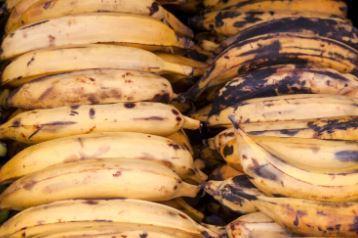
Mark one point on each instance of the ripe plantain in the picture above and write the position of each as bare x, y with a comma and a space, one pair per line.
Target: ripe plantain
284, 79
46, 124
97, 178
330, 27
273, 49
313, 155
275, 177
287, 108
72, 31
328, 7
94, 86
48, 62
255, 225
224, 193
112, 211
44, 10
122, 145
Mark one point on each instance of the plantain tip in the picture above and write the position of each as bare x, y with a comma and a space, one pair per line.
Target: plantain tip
235, 124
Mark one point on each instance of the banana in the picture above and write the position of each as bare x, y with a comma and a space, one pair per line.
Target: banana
48, 62
46, 124
10, 4
255, 225
123, 145
69, 31
44, 10
275, 177
94, 86
312, 154
285, 79
335, 28
305, 153
224, 193
240, 25
273, 49
99, 233
287, 108
308, 217
113, 211
97, 178
182, 139
301, 6
101, 229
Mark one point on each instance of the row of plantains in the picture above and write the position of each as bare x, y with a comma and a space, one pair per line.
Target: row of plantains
280, 97
99, 93
99, 149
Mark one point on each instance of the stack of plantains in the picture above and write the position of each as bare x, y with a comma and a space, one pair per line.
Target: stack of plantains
282, 90
89, 80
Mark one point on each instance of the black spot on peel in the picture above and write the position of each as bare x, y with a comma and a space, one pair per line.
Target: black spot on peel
129, 105
354, 226
222, 15
16, 123
153, 118
299, 215
153, 8
47, 4
228, 150
347, 156
164, 98
264, 172
92, 113
117, 173
243, 181
175, 112
143, 235
30, 61
29, 185
91, 202
289, 132
330, 126
174, 146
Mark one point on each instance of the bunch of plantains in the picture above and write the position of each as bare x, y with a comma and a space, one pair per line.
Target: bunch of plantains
97, 148
280, 98
178, 119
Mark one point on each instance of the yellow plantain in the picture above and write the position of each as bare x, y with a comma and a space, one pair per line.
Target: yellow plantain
287, 108
46, 124
110, 211
313, 155
72, 31
126, 145
275, 177
224, 193
97, 178
48, 62
44, 10
255, 225
274, 49
95, 86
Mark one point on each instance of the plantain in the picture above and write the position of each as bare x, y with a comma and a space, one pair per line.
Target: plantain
116, 212
274, 49
72, 31
123, 145
274, 176
224, 193
46, 124
256, 224
44, 10
292, 108
284, 79
335, 28
48, 62
94, 179
314, 155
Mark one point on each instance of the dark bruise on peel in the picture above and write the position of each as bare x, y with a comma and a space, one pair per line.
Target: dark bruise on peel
317, 26
330, 126
129, 105
222, 15
228, 150
143, 235
263, 172
299, 215
242, 181
152, 118
153, 8
347, 156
